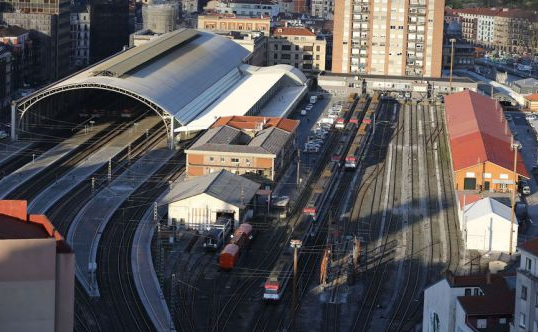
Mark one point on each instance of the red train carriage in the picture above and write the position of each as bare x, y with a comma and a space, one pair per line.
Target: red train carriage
240, 239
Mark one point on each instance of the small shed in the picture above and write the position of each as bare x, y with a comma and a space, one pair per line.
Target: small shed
487, 225
525, 86
200, 201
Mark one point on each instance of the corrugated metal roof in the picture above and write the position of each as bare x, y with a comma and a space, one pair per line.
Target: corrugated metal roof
230, 188
175, 78
136, 56
478, 132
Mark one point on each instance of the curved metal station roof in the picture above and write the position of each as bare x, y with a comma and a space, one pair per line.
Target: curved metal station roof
189, 74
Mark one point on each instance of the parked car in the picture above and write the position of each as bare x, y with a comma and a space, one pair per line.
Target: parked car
309, 107
3, 134
303, 112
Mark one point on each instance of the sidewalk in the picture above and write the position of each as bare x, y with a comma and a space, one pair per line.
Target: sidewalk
85, 231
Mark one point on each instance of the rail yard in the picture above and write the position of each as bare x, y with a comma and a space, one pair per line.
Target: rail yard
371, 214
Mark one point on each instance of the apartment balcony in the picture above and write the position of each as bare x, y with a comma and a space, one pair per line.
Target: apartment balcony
417, 4
413, 13
360, 20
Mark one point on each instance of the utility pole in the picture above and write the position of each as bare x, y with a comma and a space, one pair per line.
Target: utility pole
109, 170
295, 244
452, 41
515, 146
298, 167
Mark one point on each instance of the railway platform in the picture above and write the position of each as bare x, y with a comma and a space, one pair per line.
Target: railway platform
47, 159
48, 197
145, 277
85, 231
10, 150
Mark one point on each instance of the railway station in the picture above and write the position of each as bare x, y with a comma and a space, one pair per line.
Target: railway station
187, 77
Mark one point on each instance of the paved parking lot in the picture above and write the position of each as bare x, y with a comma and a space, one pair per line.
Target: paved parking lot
525, 134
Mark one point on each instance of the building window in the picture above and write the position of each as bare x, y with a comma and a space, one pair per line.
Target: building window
524, 293
296, 47
211, 159
221, 159
502, 320
522, 320
286, 47
318, 48
481, 323
528, 263
234, 160
476, 292
247, 161
468, 292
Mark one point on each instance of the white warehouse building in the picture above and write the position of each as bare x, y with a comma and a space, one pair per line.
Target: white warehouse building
200, 201
486, 225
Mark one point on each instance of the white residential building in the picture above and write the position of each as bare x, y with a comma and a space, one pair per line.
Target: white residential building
486, 226
526, 313
244, 8
469, 303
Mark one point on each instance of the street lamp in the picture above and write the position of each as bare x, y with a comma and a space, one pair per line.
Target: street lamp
452, 41
295, 244
515, 146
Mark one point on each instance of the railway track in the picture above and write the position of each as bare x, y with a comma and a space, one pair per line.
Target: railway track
117, 288
280, 242
31, 189
61, 214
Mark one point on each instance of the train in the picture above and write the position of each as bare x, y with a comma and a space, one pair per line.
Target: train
275, 285
231, 252
218, 233
320, 191
351, 160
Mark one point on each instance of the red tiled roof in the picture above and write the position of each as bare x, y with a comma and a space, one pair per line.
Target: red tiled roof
15, 223
502, 303
478, 132
300, 31
467, 198
533, 97
514, 13
252, 122
530, 246
480, 11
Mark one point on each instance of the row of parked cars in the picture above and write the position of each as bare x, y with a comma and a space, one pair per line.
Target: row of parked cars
320, 132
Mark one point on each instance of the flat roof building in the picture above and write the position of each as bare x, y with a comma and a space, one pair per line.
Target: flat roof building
244, 145
298, 47
480, 143
37, 279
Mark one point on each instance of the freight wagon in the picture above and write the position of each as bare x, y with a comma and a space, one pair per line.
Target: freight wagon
240, 239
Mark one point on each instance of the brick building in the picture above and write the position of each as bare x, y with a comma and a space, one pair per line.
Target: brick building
480, 143
244, 144
297, 46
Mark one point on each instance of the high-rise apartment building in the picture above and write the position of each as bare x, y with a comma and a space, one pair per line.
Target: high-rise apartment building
48, 22
80, 37
109, 29
388, 37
